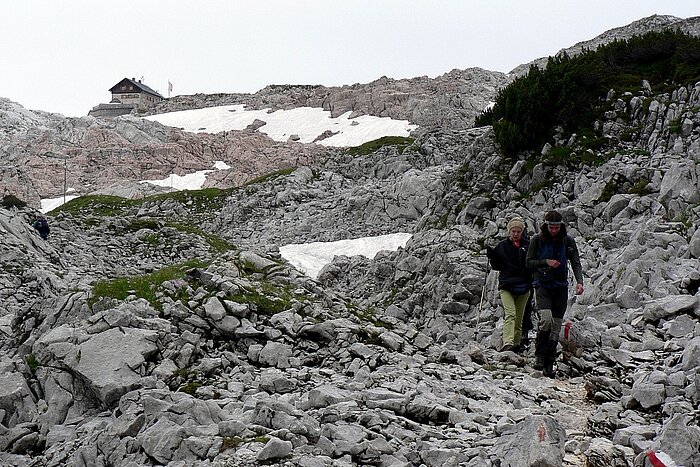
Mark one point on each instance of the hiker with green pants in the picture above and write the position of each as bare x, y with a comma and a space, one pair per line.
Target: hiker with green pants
514, 281
547, 255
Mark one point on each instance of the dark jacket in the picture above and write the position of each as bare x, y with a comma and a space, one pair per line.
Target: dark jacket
562, 248
42, 226
513, 276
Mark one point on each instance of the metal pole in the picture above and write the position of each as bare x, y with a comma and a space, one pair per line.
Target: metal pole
481, 302
65, 179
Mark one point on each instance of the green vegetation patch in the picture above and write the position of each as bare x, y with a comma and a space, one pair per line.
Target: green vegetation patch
619, 184
100, 205
269, 300
570, 91
264, 304
190, 388
270, 176
142, 223
401, 142
203, 200
558, 155
641, 187
197, 200
32, 362
11, 201
369, 314
676, 125
146, 286
217, 243
687, 218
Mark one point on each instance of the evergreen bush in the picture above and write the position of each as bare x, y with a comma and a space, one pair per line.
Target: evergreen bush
570, 92
11, 201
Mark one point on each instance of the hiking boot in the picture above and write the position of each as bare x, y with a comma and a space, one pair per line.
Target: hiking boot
538, 363
507, 348
548, 370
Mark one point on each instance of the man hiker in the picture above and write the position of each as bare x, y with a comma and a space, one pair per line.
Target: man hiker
42, 226
514, 281
547, 255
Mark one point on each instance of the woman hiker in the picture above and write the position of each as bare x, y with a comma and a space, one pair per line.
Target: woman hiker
514, 281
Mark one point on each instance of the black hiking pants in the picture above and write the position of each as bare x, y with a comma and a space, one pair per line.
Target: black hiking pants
551, 304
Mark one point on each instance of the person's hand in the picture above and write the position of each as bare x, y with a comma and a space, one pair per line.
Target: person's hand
553, 263
579, 288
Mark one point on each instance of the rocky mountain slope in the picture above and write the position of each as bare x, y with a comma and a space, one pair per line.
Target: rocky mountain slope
449, 101
35, 144
42, 151
169, 331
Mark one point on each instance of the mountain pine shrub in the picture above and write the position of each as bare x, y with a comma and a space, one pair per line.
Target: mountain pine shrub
401, 143
570, 92
11, 201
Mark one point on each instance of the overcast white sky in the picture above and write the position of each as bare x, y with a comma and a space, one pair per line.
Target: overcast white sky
63, 56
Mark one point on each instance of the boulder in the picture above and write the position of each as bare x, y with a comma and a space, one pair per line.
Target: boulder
535, 441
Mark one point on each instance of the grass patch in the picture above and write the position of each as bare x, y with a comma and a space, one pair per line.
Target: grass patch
217, 243
264, 304
231, 442
270, 299
611, 188
591, 158
190, 388
369, 337
196, 200
32, 362
184, 373
640, 187
401, 142
98, 205
595, 143
686, 218
91, 221
369, 315
270, 176
560, 155
139, 224
146, 286
152, 239
675, 126
207, 198
587, 153
629, 134
541, 185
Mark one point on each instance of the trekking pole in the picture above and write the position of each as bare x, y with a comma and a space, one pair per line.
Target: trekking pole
481, 302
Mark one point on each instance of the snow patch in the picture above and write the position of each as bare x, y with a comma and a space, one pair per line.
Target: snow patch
308, 123
310, 258
193, 181
49, 204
